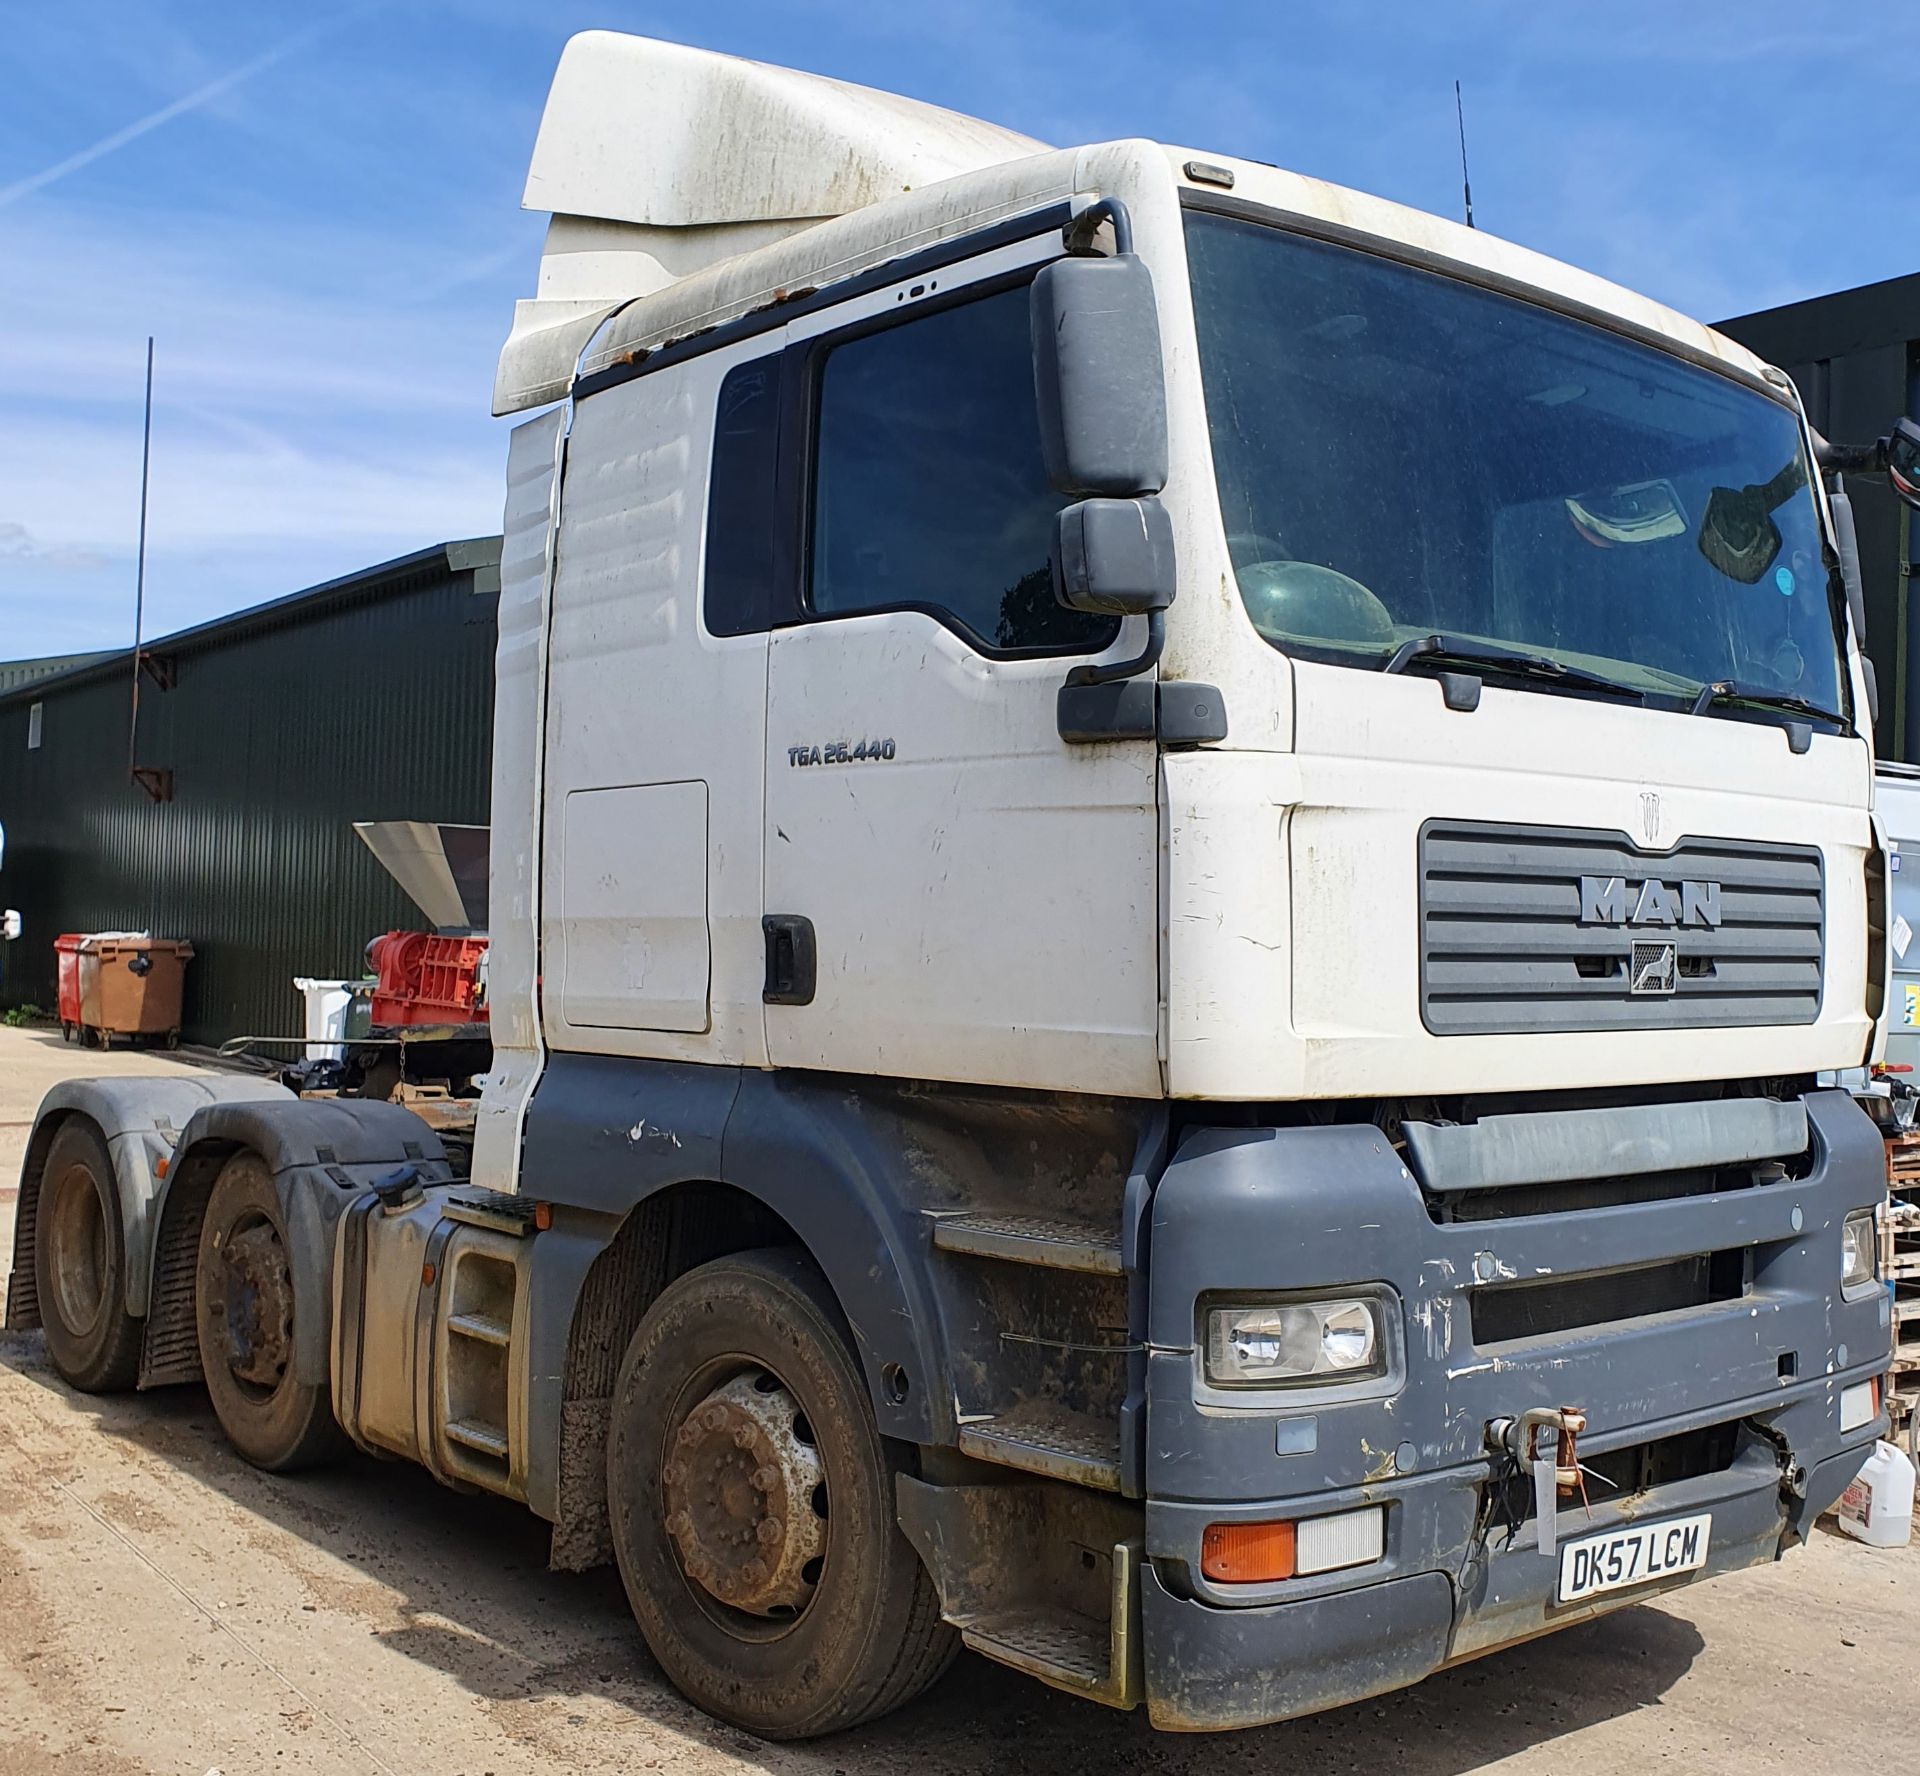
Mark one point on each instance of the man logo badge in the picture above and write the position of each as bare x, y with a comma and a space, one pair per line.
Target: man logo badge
1615, 900
1654, 969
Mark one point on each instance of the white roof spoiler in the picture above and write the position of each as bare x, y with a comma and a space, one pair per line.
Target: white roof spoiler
656, 161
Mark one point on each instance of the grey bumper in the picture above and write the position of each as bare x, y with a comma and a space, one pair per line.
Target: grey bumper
1272, 1210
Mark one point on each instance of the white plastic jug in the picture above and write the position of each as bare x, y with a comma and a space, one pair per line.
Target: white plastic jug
1878, 1507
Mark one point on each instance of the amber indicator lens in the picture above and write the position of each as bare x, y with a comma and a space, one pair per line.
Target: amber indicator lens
1247, 1553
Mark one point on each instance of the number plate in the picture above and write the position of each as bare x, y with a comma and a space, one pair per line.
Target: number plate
1633, 1556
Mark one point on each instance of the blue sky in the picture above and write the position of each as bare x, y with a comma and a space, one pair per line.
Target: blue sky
315, 209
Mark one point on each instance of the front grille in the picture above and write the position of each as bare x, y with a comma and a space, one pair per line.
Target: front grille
1570, 1196
1540, 1309
1510, 942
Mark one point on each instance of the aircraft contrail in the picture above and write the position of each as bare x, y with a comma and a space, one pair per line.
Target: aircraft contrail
167, 113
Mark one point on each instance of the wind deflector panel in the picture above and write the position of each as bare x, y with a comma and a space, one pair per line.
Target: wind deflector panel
1530, 929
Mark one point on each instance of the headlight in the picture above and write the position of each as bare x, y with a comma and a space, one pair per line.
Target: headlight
1857, 1251
1293, 1341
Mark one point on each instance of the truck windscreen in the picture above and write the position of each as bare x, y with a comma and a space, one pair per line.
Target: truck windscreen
1403, 455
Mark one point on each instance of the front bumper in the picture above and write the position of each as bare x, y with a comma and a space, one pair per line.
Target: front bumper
1253, 1210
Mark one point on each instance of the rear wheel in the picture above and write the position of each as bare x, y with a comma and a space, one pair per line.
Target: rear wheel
752, 1503
246, 1311
80, 1265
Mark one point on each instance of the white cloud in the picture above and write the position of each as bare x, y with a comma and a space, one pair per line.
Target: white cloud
310, 416
17, 544
153, 120
299, 321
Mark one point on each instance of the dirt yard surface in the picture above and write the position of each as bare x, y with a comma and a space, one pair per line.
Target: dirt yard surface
167, 1611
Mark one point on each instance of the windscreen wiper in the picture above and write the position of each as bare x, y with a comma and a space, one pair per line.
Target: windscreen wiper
1731, 690
1455, 650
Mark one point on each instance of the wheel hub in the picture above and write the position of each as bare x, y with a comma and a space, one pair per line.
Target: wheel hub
259, 1305
745, 1496
78, 1234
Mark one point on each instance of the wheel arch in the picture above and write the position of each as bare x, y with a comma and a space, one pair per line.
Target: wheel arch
606, 1272
322, 1153
140, 1119
833, 1165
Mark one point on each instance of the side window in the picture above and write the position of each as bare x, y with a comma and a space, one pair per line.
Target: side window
742, 513
928, 488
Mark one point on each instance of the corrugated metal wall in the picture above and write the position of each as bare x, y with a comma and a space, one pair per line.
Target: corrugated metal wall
368, 700
1855, 356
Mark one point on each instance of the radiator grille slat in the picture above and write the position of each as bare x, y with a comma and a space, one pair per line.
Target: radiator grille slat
1504, 949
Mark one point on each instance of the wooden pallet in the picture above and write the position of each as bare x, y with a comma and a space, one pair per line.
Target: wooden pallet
1900, 1266
1903, 1159
1900, 1239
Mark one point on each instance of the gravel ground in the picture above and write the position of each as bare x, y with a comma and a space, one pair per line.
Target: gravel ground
167, 1611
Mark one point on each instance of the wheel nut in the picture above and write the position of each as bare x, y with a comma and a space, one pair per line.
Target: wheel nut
766, 1479
772, 1532
714, 1417
678, 1525
674, 1473
743, 1436
754, 1572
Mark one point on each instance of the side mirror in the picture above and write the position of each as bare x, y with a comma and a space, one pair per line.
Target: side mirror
1098, 376
1847, 537
1101, 387
1902, 448
1114, 557
1898, 453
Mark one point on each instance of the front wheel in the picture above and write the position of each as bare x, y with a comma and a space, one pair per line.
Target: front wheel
751, 1497
246, 1306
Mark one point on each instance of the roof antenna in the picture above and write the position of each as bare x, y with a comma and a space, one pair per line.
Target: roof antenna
1466, 186
157, 784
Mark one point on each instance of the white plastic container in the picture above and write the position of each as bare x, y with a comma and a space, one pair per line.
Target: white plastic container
1878, 1507
327, 1003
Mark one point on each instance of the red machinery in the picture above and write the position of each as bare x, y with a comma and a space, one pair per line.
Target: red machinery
424, 979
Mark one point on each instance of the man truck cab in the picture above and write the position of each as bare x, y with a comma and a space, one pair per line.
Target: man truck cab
1174, 851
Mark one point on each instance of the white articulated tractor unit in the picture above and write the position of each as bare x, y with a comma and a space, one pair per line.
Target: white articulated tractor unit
1174, 855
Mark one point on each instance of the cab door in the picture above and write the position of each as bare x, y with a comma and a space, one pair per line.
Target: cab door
655, 724
980, 898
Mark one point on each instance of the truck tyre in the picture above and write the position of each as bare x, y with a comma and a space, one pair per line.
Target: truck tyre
245, 1307
751, 1497
80, 1265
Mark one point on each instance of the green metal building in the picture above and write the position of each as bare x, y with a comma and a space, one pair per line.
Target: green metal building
1855, 357
261, 738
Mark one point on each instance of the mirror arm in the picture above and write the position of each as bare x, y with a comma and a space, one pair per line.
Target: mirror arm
1897, 456
1850, 459
1077, 236
1144, 661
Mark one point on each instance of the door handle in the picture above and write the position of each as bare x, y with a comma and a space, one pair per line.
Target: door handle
791, 959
